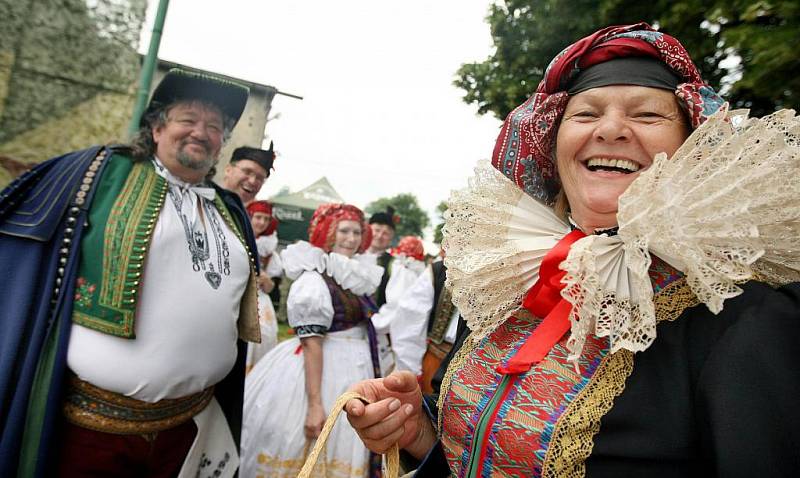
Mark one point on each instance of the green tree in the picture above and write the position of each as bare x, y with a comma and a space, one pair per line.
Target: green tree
761, 34
437, 230
413, 219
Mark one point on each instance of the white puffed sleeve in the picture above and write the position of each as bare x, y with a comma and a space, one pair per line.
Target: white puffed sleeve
404, 274
266, 245
409, 327
309, 307
275, 266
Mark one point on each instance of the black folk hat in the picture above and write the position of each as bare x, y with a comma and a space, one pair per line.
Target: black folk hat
182, 84
264, 157
387, 218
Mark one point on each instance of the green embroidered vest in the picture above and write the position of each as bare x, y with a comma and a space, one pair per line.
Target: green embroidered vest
122, 217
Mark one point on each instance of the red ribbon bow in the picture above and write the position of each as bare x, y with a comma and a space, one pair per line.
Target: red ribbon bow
544, 300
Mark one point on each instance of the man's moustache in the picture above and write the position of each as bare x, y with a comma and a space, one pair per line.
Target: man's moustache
204, 144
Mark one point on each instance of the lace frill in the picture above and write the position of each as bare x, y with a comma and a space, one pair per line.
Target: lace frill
356, 276
495, 238
725, 208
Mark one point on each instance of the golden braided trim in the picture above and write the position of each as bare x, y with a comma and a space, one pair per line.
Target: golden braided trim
277, 467
94, 408
457, 363
573, 436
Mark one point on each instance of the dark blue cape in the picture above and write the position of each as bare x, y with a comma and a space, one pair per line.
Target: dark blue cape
38, 218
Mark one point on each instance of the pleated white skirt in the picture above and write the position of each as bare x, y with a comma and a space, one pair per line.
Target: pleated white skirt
273, 442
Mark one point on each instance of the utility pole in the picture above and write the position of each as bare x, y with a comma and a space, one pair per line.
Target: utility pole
148, 66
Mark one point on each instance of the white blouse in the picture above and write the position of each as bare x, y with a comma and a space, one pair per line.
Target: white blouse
309, 301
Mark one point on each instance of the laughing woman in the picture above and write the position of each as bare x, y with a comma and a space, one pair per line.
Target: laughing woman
628, 274
291, 390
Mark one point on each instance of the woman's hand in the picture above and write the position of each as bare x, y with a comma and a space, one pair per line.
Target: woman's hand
394, 416
315, 419
265, 283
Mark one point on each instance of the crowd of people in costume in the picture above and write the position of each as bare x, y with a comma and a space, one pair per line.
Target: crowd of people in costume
617, 295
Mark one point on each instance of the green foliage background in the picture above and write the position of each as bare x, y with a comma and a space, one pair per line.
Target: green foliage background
527, 34
413, 219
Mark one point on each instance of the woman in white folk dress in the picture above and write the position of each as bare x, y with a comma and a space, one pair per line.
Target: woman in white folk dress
264, 226
291, 390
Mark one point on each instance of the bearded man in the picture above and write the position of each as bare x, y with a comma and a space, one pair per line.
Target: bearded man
121, 349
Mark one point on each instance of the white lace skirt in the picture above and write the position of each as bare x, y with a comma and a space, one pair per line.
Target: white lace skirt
273, 443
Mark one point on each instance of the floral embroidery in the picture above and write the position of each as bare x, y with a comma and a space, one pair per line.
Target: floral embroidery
84, 292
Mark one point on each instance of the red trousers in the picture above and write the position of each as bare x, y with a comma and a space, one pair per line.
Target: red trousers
87, 453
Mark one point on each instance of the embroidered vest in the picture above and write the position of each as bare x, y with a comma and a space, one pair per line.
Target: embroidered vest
347, 307
385, 261
541, 422
442, 309
114, 247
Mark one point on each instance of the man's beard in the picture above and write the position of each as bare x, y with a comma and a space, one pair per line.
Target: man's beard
204, 163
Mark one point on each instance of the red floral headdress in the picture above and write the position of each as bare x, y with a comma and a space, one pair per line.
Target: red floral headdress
266, 208
524, 149
322, 230
410, 246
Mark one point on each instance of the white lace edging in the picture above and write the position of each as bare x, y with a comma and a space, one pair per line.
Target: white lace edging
495, 238
726, 206
356, 276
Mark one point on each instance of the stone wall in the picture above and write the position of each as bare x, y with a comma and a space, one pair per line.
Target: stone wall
68, 69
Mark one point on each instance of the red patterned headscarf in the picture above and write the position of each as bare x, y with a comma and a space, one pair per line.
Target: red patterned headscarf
524, 149
410, 246
322, 230
266, 208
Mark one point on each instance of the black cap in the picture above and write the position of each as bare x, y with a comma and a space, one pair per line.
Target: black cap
388, 218
181, 84
264, 157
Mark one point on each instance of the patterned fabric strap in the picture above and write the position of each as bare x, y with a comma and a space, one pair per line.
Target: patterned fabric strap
442, 314
92, 407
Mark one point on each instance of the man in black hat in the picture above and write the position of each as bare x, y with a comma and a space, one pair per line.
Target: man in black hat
121, 335
383, 229
247, 171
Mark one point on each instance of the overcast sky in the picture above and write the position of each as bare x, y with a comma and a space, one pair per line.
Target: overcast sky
380, 115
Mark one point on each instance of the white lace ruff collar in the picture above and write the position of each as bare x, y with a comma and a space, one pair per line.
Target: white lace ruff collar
726, 206
357, 276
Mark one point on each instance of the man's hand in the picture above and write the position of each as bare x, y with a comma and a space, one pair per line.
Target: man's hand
394, 416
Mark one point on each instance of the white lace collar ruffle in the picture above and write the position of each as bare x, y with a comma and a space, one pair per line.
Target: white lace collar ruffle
359, 277
725, 207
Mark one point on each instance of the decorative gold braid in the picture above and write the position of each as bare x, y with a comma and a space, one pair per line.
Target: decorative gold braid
573, 436
392, 457
457, 362
96, 409
441, 316
277, 467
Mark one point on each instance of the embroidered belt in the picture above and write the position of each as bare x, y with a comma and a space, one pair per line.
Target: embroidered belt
92, 407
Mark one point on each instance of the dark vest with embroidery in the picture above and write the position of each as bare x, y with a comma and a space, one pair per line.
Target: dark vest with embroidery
347, 307
384, 260
442, 309
350, 310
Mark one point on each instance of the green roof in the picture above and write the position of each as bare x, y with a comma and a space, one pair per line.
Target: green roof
311, 197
